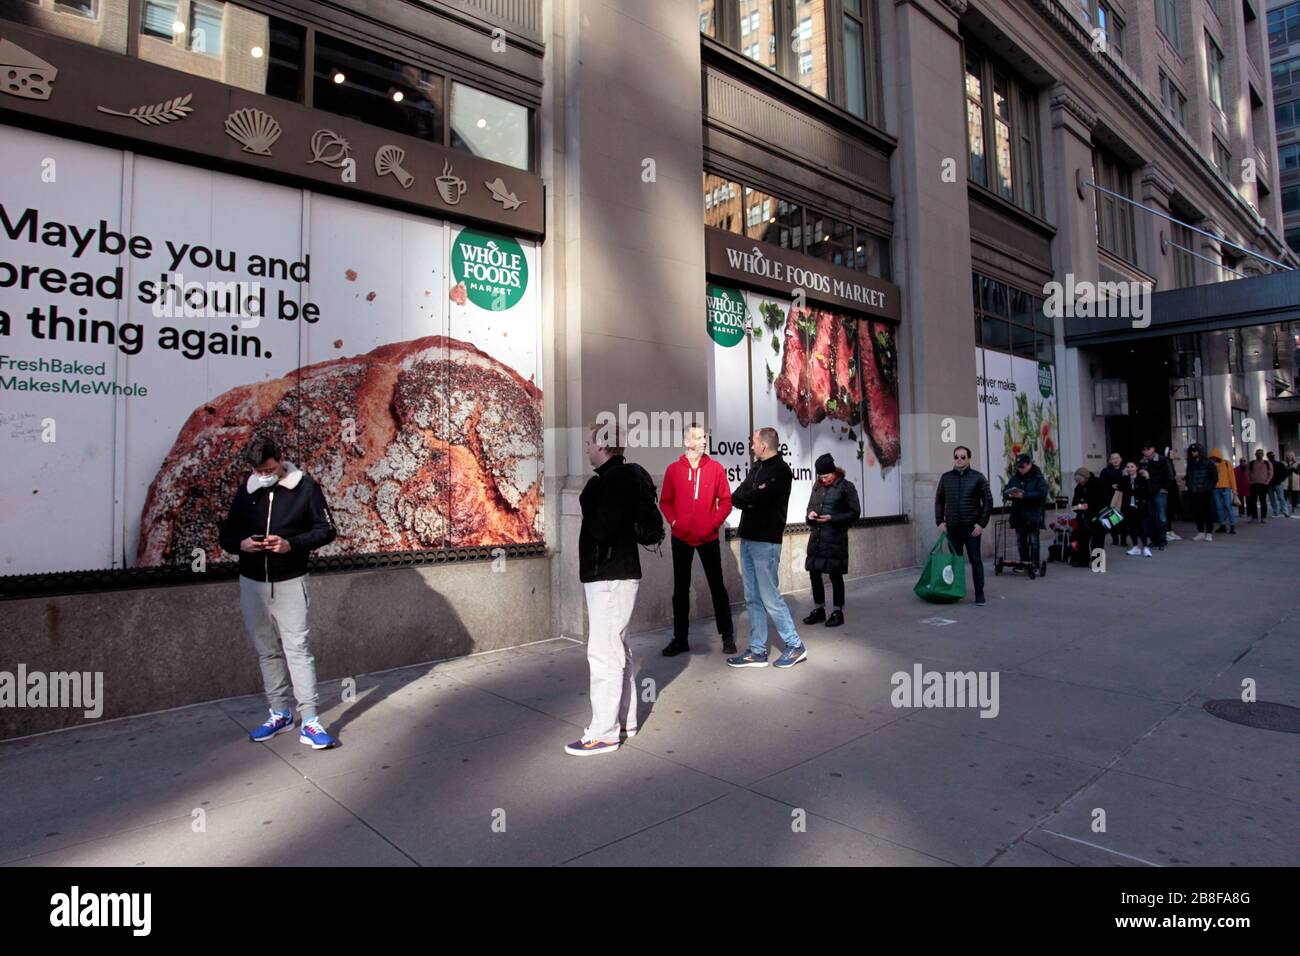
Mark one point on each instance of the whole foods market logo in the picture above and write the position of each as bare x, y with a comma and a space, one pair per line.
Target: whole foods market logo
492, 269
1045, 379
726, 315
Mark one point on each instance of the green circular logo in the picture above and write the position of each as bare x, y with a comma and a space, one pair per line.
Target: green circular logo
726, 315
1045, 379
492, 269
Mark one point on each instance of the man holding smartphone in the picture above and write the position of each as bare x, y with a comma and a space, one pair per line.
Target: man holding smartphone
279, 516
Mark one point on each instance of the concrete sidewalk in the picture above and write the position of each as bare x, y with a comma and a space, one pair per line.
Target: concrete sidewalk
1101, 680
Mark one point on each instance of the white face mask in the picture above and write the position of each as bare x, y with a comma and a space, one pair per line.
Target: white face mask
265, 481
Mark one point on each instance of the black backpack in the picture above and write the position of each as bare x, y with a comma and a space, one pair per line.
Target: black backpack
649, 523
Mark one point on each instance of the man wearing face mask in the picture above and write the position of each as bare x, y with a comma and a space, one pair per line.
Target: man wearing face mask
279, 516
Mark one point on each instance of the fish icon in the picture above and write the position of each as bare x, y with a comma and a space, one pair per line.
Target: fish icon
504, 196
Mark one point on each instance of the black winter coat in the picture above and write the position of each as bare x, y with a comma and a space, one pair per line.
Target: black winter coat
828, 541
607, 546
963, 499
1027, 512
1201, 475
294, 510
762, 499
1137, 493
1095, 493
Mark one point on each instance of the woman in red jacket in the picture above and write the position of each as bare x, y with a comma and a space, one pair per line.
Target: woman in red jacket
696, 500
1242, 473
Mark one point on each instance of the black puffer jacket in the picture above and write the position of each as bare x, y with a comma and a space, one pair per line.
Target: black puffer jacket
762, 499
607, 547
828, 542
293, 509
1201, 473
963, 499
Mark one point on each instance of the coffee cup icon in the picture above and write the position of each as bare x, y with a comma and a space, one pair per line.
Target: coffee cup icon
450, 187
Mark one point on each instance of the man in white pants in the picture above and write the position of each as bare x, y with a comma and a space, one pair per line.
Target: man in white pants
609, 566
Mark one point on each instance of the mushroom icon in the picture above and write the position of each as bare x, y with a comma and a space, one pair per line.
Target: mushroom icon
388, 161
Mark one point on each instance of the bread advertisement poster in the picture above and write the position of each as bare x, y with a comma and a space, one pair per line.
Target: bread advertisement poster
155, 317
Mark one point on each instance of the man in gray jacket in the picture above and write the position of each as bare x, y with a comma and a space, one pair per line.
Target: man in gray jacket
963, 505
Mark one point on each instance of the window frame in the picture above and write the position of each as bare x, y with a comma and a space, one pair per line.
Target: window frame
1169, 22
1116, 232
1214, 72
1023, 126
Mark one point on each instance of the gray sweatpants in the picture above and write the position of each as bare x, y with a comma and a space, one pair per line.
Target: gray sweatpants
276, 618
613, 678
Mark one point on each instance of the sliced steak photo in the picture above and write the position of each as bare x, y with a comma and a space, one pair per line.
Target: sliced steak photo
880, 379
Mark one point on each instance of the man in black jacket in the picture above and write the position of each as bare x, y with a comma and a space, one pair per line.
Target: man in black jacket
609, 567
279, 516
1112, 476
1160, 472
963, 505
762, 498
1201, 478
1027, 491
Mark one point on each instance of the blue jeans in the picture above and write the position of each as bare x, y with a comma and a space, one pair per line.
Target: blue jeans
760, 563
1160, 524
1227, 513
1277, 501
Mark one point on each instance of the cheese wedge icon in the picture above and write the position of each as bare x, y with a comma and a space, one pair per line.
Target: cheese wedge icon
25, 74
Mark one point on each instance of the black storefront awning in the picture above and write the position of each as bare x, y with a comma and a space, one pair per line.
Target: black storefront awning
1258, 300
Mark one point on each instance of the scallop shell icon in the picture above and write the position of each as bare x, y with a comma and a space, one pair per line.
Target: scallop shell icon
254, 130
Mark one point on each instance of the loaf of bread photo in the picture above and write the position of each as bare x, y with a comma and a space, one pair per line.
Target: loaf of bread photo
417, 445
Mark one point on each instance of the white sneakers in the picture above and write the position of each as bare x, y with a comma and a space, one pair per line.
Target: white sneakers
1146, 552
1135, 551
1173, 537
1200, 536
1209, 536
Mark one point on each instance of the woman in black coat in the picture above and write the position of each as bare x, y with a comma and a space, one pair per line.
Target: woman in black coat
832, 508
1090, 497
1136, 506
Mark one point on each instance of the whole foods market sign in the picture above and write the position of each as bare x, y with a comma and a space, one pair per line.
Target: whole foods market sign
492, 269
726, 315
760, 265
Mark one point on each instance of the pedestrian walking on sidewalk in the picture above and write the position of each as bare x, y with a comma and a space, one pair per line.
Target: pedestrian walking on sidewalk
1136, 509
1261, 473
1111, 476
1200, 479
832, 508
1225, 490
696, 500
1292, 484
1276, 497
1027, 491
963, 505
763, 498
277, 518
1160, 472
609, 567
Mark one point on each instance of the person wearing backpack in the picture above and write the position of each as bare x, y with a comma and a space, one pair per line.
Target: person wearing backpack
609, 567
762, 498
696, 501
832, 508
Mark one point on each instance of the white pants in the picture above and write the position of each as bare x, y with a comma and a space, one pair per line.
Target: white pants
613, 683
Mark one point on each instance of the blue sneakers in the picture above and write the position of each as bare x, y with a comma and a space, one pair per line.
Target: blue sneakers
278, 724
748, 659
313, 734
792, 656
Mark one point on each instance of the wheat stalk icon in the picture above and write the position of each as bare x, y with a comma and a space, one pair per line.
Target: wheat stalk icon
156, 114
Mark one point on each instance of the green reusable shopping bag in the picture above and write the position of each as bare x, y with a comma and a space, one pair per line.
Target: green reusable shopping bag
943, 579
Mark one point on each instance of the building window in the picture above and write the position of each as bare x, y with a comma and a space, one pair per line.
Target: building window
1167, 21
1288, 157
855, 59
1104, 24
1012, 320
1174, 101
831, 240
1214, 67
1222, 156
1009, 122
832, 62
205, 26
1284, 25
708, 18
1286, 72
722, 203
1285, 116
1291, 199
488, 126
158, 19
81, 8
365, 85
1114, 216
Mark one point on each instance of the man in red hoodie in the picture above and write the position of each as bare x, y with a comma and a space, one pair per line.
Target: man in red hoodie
695, 500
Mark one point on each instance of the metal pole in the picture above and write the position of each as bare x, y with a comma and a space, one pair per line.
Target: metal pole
1209, 235
1191, 252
